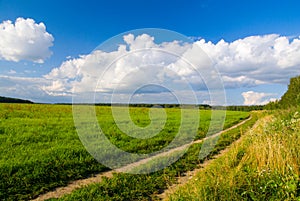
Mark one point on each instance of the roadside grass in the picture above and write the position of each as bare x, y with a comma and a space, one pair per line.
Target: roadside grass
263, 165
124, 186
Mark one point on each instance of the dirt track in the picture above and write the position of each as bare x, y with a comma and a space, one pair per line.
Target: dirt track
60, 191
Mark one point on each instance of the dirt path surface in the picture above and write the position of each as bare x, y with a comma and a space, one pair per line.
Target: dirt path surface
97, 178
190, 174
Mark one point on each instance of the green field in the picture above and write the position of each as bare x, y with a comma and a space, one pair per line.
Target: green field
41, 150
124, 186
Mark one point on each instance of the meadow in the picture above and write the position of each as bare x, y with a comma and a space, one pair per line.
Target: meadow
124, 186
40, 148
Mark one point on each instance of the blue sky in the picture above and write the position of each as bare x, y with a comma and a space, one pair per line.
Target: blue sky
79, 27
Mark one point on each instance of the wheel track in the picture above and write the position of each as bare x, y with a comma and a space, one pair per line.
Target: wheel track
97, 178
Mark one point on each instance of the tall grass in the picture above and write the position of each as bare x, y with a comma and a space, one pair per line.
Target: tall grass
263, 165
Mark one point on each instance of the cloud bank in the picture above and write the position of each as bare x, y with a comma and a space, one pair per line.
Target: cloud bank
256, 98
247, 62
244, 63
137, 62
255, 60
24, 40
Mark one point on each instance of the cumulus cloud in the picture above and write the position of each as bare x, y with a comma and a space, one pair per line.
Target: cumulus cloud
257, 98
140, 61
246, 62
258, 59
24, 40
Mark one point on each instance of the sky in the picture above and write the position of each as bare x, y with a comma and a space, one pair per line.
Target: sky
53, 51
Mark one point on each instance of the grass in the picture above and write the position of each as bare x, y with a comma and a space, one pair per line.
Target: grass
123, 186
264, 165
40, 149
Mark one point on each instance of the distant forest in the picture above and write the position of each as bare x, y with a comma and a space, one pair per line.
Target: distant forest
290, 99
13, 100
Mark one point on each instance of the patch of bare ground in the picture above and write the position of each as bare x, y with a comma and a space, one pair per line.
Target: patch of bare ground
59, 192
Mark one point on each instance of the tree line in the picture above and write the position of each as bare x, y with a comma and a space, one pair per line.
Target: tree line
13, 100
291, 98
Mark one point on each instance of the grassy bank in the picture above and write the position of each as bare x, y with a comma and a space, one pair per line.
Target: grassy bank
264, 165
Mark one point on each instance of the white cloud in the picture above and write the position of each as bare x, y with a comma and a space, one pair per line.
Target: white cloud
257, 98
11, 71
247, 62
28, 88
263, 59
122, 70
240, 81
138, 62
24, 40
21, 87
